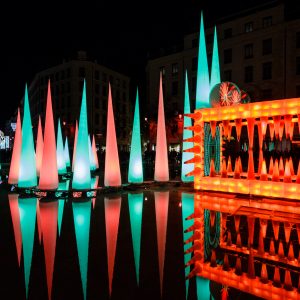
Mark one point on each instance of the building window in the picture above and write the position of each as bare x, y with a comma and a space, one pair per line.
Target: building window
104, 90
104, 77
81, 72
227, 75
194, 84
97, 119
249, 27
174, 69
194, 63
267, 21
174, 91
267, 71
97, 75
227, 56
298, 91
162, 71
267, 47
266, 94
249, 74
97, 88
227, 33
298, 65
298, 39
249, 51
195, 43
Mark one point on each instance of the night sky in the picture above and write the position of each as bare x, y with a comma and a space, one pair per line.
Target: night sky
119, 35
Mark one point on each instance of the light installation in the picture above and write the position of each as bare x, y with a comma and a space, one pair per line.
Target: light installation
135, 203
94, 182
280, 184
187, 205
82, 220
94, 150
39, 222
215, 77
75, 144
48, 173
15, 217
203, 290
135, 169
16, 153
48, 212
187, 135
60, 152
203, 86
112, 208
61, 206
67, 153
27, 171
161, 170
161, 214
82, 174
112, 173
91, 156
27, 210
39, 147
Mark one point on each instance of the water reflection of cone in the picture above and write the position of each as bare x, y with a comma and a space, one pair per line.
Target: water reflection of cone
263, 174
238, 267
224, 169
237, 219
287, 231
229, 241
281, 167
251, 270
238, 241
291, 255
275, 174
212, 172
229, 166
272, 248
276, 278
264, 274
291, 166
213, 260
213, 128
250, 230
263, 226
287, 281
237, 174
261, 246
271, 166
275, 225
226, 266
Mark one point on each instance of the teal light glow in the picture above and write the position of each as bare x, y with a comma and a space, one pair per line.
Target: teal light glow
135, 170
27, 171
187, 201
203, 291
67, 153
61, 205
215, 77
63, 185
135, 203
60, 152
203, 87
91, 156
27, 209
82, 174
187, 168
82, 218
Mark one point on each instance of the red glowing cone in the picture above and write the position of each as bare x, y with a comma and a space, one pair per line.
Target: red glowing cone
238, 267
212, 172
48, 211
291, 255
287, 124
48, 172
224, 170
229, 241
275, 175
112, 174
281, 128
291, 166
264, 124
287, 281
250, 171
281, 167
94, 150
272, 248
264, 274
213, 125
276, 278
212, 216
263, 226
226, 266
276, 125
39, 222
229, 167
250, 127
39, 147
260, 161
161, 171
15, 217
291, 131
226, 127
238, 127
287, 231
280, 250
237, 174
250, 230
237, 219
272, 131
275, 225
75, 144
16, 154
261, 245
298, 173
213, 259
263, 174
251, 269
271, 166
239, 241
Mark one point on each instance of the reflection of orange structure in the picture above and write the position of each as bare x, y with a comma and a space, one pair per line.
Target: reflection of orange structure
279, 116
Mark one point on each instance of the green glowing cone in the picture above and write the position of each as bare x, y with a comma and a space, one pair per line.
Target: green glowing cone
60, 152
135, 203
82, 218
215, 65
27, 171
27, 209
135, 170
187, 168
203, 87
203, 291
67, 153
61, 205
91, 156
82, 174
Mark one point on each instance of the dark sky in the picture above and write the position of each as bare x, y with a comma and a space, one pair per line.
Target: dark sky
117, 34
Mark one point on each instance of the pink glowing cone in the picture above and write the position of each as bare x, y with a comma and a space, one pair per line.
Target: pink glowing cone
287, 124
281, 167
287, 230
16, 154
264, 274
161, 213
280, 250
161, 172
275, 225
264, 124
276, 125
39, 147
48, 211
112, 217
275, 175
238, 124
250, 127
94, 150
250, 171
75, 144
15, 217
272, 131
112, 174
271, 166
48, 172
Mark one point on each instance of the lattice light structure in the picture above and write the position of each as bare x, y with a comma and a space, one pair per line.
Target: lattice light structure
279, 117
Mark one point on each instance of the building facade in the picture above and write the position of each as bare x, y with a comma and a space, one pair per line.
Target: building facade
66, 89
259, 50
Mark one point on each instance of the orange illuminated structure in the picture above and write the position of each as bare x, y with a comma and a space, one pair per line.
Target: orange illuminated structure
280, 115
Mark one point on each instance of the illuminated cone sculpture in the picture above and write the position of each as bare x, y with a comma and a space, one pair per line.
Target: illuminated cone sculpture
48, 173
112, 174
135, 169
60, 152
16, 154
91, 156
39, 147
67, 153
94, 150
161, 171
75, 145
